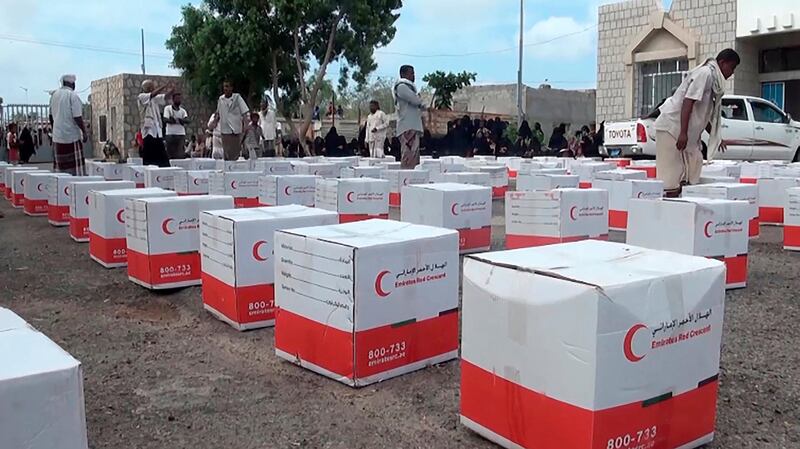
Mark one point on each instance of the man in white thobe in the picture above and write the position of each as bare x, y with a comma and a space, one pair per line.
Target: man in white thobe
377, 125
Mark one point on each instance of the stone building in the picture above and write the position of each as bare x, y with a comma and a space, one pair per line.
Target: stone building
116, 115
545, 105
644, 51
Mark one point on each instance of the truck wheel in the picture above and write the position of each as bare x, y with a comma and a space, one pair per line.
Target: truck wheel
796, 156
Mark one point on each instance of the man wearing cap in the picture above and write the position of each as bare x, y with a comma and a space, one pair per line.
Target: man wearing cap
69, 132
151, 101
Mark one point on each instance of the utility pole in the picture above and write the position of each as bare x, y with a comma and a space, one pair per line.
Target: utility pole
520, 112
143, 70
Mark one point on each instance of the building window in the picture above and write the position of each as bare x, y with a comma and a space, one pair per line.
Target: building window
734, 109
103, 128
658, 80
779, 60
766, 113
773, 92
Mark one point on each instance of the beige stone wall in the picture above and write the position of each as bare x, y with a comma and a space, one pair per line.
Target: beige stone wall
618, 24
120, 93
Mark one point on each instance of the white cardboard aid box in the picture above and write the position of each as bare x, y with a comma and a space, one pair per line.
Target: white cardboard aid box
18, 178
192, 182
498, 179
707, 179
465, 208
546, 181
722, 170
730, 191
625, 354
704, 227
185, 164
203, 163
326, 170
354, 199
240, 165
107, 244
362, 172
401, 178
241, 185
620, 174
237, 256
465, 177
35, 192
556, 216
135, 161
390, 165
587, 171
620, 192
58, 197
772, 197
113, 171
41, 387
282, 190
273, 166
135, 173
363, 302
163, 177
163, 238
791, 226
751, 172
79, 204
5, 177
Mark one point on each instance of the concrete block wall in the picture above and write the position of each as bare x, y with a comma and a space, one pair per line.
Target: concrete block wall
618, 25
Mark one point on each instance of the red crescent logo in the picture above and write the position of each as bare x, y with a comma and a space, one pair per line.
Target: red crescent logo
195, 181
39, 187
66, 190
453, 209
378, 281
256, 255
405, 181
572, 213
158, 178
705, 229
119, 216
316, 172
350, 197
22, 182
287, 190
165, 226
86, 199
233, 184
628, 343
639, 195
271, 169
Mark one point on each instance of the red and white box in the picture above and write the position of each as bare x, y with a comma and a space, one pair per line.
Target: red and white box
364, 302
556, 216
529, 182
717, 229
498, 179
462, 207
620, 162
113, 172
42, 390
134, 161
620, 174
107, 244
620, 193
269, 166
241, 185
587, 171
430, 165
751, 172
203, 163
354, 199
362, 172
35, 193
163, 238
466, 177
95, 168
283, 190
192, 182
718, 180
18, 178
786, 171
236, 250
529, 165
327, 170
390, 165
722, 170
513, 165
162, 177
240, 165
8, 182
607, 357
3, 167
730, 191
791, 226
772, 198
58, 197
400, 178
649, 167
185, 164
79, 203
135, 173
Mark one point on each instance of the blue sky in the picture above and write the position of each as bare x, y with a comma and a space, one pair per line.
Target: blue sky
425, 28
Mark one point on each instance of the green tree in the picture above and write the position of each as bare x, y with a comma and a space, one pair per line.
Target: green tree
444, 85
271, 44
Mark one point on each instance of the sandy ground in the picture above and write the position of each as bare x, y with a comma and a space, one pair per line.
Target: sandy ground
161, 373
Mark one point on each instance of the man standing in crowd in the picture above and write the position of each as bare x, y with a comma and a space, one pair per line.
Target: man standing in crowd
151, 100
269, 127
695, 106
176, 118
377, 124
69, 132
409, 117
232, 111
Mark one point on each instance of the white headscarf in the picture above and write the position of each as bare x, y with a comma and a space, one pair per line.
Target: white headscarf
69, 78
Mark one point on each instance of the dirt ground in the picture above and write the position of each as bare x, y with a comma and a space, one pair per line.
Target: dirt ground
159, 372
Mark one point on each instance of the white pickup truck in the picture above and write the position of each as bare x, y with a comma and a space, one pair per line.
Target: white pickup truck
752, 129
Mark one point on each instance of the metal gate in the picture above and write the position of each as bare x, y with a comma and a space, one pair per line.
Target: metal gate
37, 118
